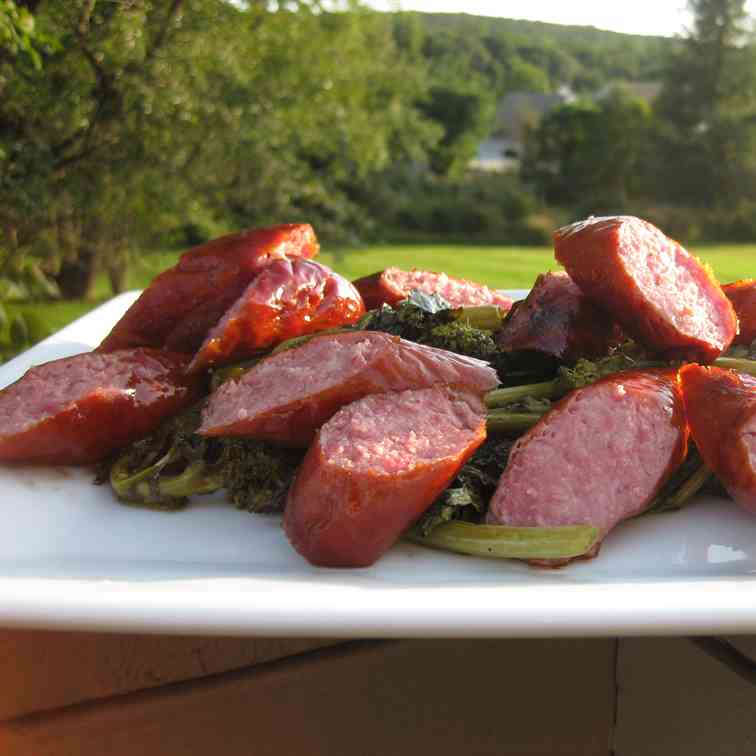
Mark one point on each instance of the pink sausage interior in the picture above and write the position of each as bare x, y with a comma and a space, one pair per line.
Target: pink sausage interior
670, 279
596, 459
391, 434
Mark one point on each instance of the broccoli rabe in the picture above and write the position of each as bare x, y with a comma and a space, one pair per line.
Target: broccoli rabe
468, 494
163, 470
429, 319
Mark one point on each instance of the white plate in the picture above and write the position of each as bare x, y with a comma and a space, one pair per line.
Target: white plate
73, 557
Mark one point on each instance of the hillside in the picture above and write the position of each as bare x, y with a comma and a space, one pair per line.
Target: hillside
584, 58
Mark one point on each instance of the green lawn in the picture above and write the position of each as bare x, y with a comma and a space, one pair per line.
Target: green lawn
501, 267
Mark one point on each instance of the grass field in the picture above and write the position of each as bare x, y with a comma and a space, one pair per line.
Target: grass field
500, 267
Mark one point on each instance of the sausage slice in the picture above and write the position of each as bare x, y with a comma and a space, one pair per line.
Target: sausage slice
598, 457
288, 298
180, 306
558, 320
393, 285
374, 468
289, 395
80, 409
742, 294
658, 292
721, 407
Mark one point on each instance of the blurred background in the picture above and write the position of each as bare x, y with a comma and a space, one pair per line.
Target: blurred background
133, 129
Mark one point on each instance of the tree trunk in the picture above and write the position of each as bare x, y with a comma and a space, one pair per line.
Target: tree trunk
76, 278
117, 275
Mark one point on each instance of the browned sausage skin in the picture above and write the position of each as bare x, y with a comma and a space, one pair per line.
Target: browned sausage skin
721, 409
658, 292
289, 395
558, 320
598, 457
80, 409
742, 294
393, 285
374, 468
180, 306
288, 298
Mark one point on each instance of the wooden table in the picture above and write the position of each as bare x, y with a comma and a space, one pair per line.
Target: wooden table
85, 694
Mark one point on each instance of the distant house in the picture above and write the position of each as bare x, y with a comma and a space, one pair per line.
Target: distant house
643, 90
516, 114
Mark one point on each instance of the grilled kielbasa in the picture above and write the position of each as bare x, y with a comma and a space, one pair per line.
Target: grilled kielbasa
742, 294
288, 298
658, 292
393, 285
374, 468
598, 457
558, 320
183, 303
721, 409
80, 409
289, 395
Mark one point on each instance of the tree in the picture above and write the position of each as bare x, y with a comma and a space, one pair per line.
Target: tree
591, 154
157, 114
707, 109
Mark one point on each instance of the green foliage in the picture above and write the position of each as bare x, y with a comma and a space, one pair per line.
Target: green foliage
533, 56
592, 154
479, 206
707, 110
19, 331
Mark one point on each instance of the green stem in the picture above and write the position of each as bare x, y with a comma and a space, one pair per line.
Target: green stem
503, 396
686, 491
150, 488
733, 363
484, 317
502, 421
502, 542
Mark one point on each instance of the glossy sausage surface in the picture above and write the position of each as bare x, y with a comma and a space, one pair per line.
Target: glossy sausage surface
80, 409
392, 285
721, 408
288, 396
659, 293
558, 320
374, 468
742, 294
183, 303
288, 298
598, 457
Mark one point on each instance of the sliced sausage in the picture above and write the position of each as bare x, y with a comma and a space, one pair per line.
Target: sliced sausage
288, 396
558, 320
183, 303
660, 294
288, 298
598, 457
721, 408
80, 409
393, 285
742, 294
374, 468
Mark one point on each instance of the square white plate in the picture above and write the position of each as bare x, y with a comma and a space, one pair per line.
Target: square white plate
71, 557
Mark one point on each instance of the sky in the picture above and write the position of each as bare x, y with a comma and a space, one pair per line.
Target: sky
663, 17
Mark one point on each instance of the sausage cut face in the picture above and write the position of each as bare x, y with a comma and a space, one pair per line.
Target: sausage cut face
393, 285
658, 292
289, 395
374, 468
598, 457
80, 409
